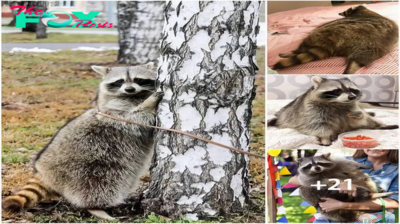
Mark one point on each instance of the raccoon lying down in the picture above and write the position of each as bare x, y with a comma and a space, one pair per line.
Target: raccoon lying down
362, 37
327, 109
322, 168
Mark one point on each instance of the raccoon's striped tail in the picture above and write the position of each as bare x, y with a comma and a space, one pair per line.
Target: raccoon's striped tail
30, 194
301, 57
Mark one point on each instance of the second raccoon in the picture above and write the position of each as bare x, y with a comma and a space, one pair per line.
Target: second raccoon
363, 36
325, 110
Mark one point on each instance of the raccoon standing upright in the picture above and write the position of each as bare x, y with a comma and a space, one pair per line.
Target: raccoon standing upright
362, 37
323, 111
95, 162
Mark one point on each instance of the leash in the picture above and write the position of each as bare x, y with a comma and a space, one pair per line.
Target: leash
183, 133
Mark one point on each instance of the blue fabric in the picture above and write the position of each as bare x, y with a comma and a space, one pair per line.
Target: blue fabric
387, 178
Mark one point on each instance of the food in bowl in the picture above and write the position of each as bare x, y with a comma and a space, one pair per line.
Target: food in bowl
359, 142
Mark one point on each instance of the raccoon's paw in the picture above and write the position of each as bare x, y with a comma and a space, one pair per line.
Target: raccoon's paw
325, 141
150, 103
372, 114
356, 115
158, 95
285, 55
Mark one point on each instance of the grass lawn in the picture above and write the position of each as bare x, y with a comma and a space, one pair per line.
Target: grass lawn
294, 212
25, 37
41, 91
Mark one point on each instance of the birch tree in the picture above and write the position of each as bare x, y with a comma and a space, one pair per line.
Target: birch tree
139, 27
207, 72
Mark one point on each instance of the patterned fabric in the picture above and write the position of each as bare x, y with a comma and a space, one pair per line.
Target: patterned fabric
375, 217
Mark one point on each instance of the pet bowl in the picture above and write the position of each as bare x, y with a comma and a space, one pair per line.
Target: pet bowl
360, 139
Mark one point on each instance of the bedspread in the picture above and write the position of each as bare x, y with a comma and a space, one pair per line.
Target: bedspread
296, 25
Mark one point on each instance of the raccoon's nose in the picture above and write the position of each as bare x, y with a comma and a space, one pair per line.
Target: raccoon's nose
130, 89
352, 97
317, 168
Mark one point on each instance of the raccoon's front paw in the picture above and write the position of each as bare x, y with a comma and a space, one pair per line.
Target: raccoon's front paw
151, 102
356, 115
158, 95
325, 141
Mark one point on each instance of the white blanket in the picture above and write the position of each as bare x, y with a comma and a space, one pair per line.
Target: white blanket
291, 139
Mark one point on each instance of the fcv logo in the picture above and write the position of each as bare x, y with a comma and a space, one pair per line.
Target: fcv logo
47, 17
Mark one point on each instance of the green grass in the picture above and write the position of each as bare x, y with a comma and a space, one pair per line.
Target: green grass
294, 212
25, 37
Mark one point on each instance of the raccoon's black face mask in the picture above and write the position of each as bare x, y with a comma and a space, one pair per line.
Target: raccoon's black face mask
316, 167
341, 95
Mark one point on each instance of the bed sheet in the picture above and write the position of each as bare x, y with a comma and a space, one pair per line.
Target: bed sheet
295, 26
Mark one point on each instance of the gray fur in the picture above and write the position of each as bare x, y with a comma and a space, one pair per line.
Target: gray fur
337, 169
326, 118
94, 161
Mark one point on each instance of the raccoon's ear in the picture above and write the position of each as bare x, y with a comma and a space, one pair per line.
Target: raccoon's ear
326, 155
101, 70
316, 81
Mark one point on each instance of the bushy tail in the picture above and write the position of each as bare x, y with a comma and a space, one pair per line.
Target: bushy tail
302, 56
30, 194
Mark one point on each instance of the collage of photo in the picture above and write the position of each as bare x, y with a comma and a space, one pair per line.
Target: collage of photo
200, 111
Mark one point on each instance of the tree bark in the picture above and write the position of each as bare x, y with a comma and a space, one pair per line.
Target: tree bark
207, 72
139, 27
40, 27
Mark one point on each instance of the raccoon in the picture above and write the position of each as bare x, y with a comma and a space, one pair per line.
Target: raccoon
94, 162
322, 168
362, 37
325, 110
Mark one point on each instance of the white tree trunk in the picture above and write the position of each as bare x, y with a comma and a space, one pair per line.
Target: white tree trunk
207, 70
140, 26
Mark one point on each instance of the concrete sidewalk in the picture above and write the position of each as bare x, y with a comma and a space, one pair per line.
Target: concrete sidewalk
56, 46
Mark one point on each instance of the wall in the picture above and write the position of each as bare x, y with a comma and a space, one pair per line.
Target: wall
379, 88
279, 6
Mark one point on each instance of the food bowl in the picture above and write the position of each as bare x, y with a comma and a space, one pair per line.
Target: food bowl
360, 139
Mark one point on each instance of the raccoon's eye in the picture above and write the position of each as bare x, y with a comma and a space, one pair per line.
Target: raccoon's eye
117, 83
144, 82
333, 93
355, 91
325, 164
307, 167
